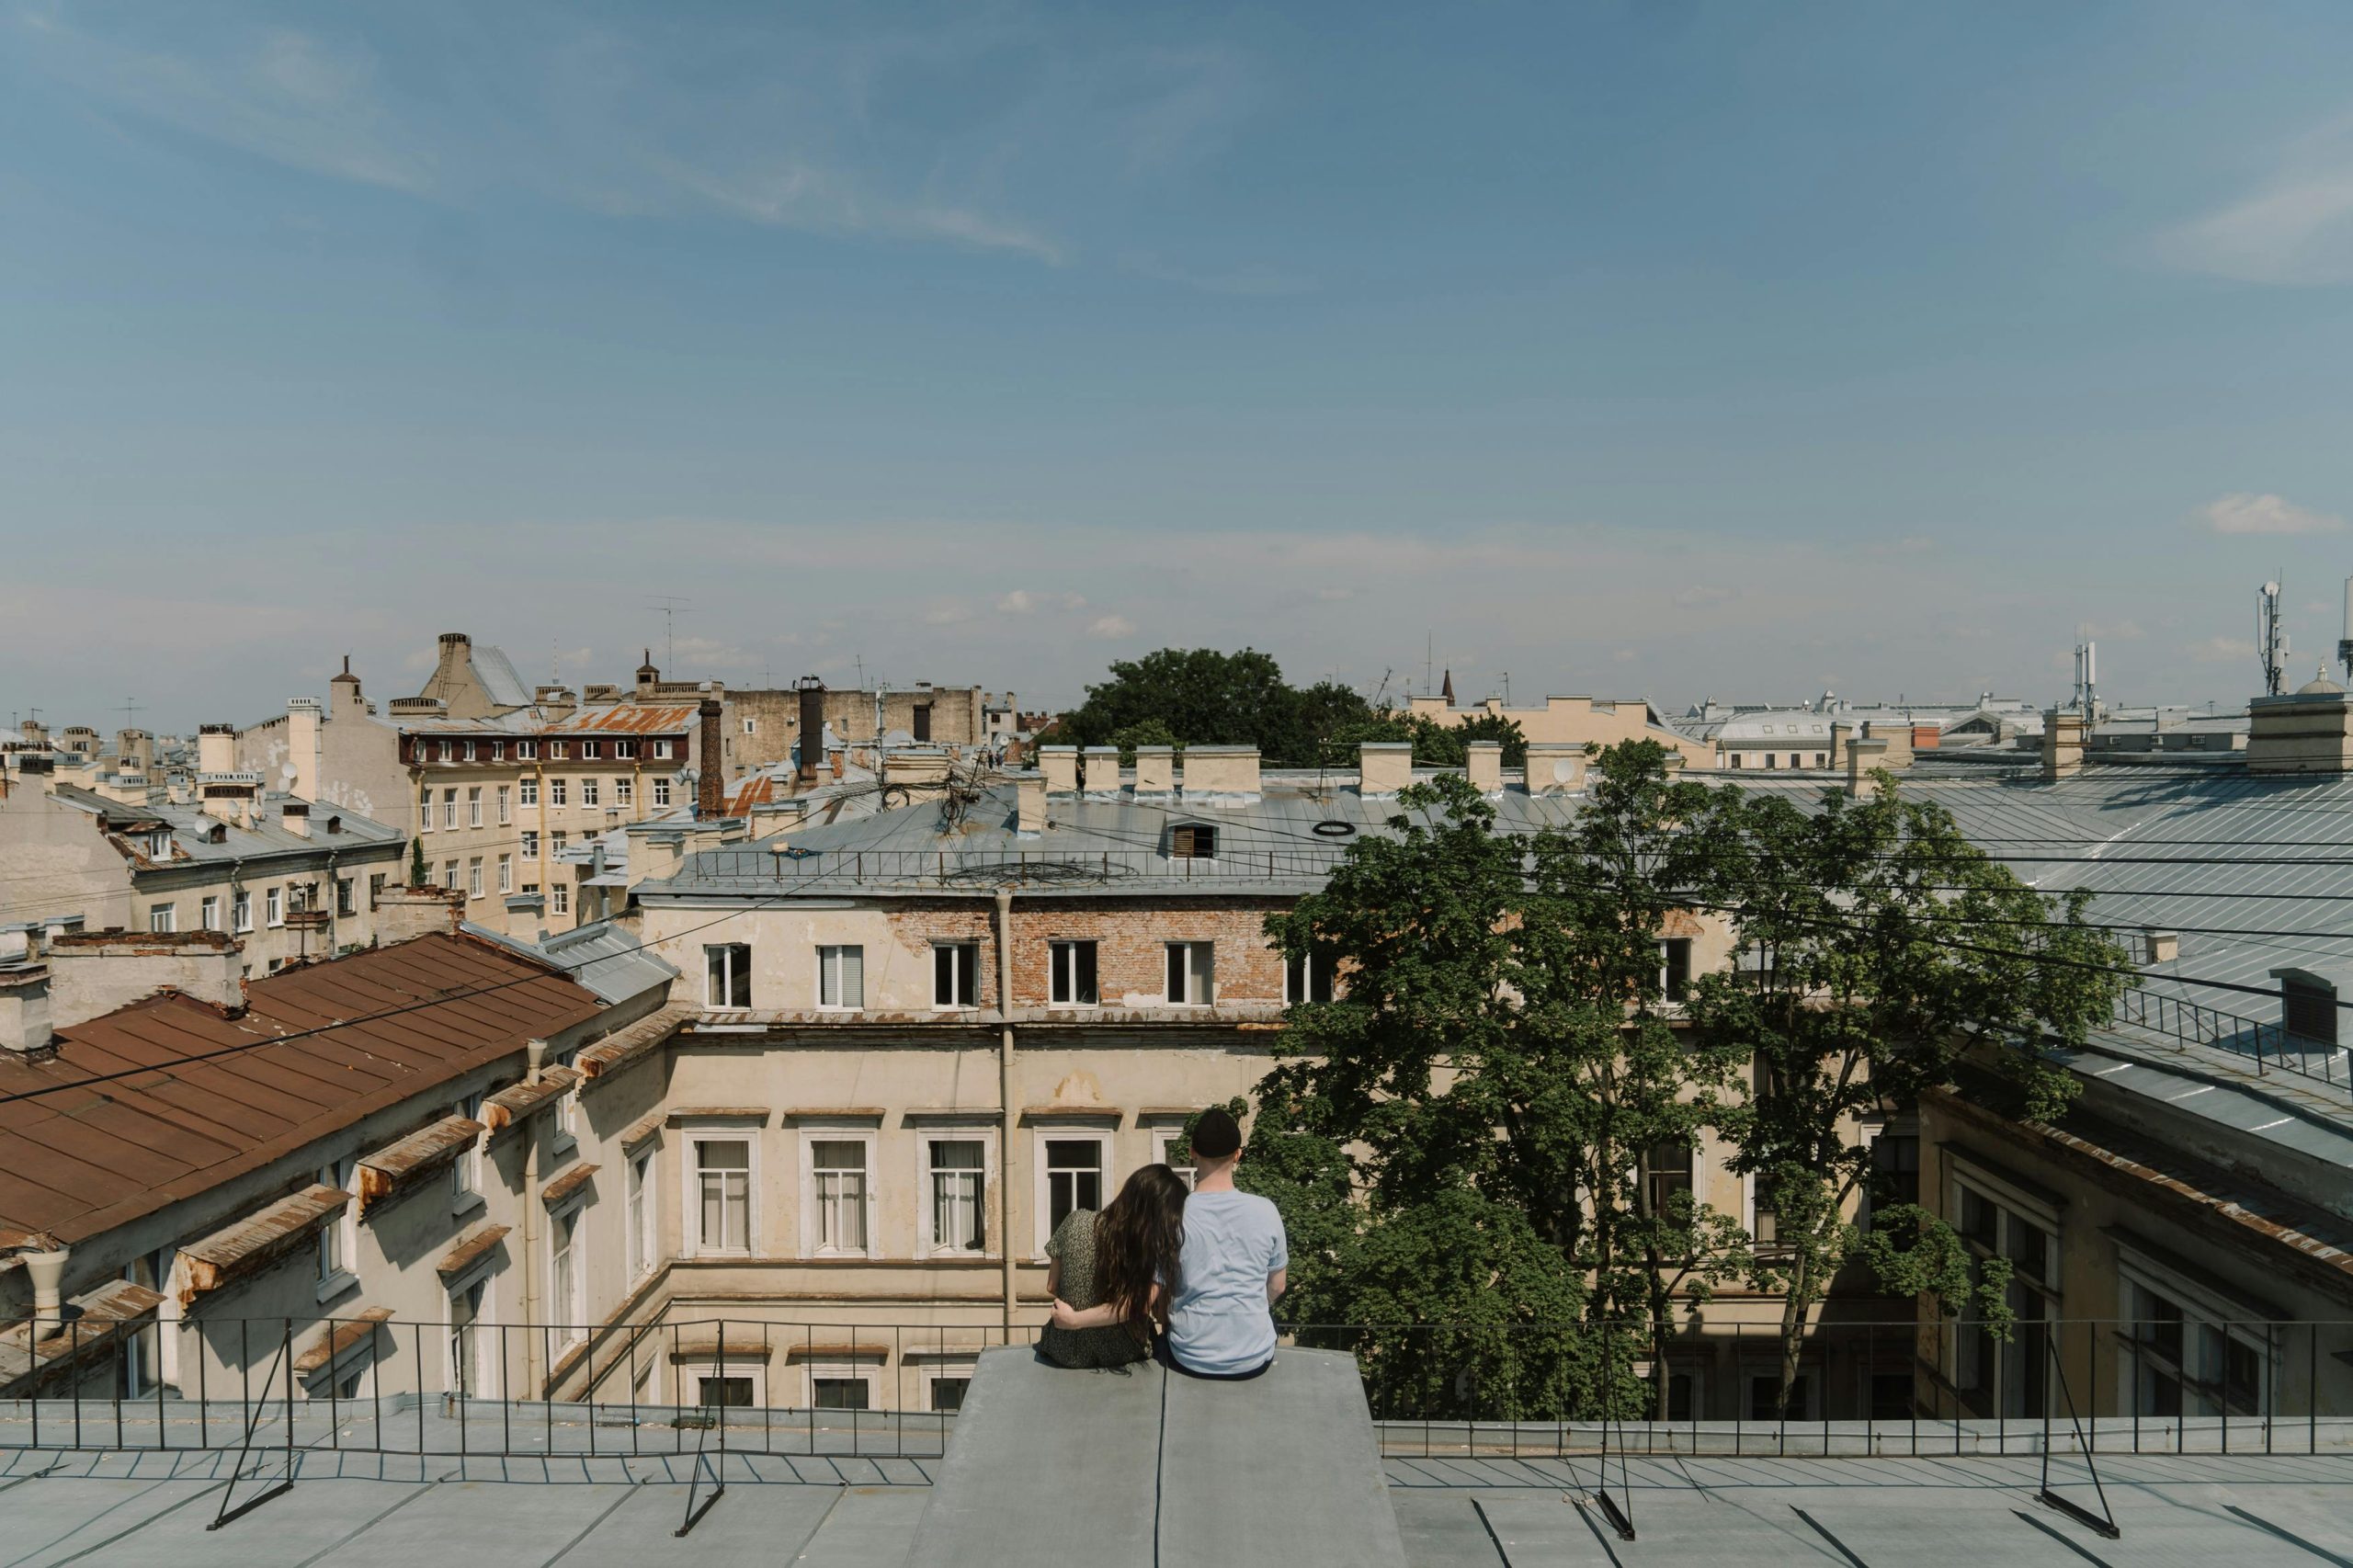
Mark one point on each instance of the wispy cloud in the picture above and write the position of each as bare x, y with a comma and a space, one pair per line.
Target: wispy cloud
957, 133
1024, 601
2221, 650
2245, 513
2295, 227
1111, 626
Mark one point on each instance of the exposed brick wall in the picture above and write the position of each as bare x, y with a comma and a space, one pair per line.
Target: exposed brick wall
1131, 934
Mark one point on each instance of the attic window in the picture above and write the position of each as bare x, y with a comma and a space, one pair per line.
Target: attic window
1192, 841
217, 834
334, 825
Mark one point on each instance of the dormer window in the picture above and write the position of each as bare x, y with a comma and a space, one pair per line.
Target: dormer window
217, 834
1192, 841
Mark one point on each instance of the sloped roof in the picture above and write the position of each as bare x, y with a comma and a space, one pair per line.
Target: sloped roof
499, 681
78, 1159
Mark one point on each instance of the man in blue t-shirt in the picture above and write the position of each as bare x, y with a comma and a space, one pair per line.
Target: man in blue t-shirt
1232, 1267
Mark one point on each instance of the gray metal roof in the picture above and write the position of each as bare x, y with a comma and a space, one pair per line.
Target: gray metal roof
499, 681
191, 828
608, 960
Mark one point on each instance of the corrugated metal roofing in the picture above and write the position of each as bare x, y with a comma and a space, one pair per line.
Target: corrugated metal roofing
192, 830
81, 1159
499, 681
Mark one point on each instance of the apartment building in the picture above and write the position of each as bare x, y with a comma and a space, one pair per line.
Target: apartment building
385, 1156
495, 783
763, 727
1571, 720
285, 878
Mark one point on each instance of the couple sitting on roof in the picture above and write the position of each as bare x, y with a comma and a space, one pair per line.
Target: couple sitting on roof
1190, 1280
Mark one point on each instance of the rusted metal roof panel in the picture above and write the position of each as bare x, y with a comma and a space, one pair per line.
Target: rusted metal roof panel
397, 1166
339, 1339
259, 1240
476, 1246
642, 1131
104, 1310
515, 1102
209, 1095
557, 1191
616, 1052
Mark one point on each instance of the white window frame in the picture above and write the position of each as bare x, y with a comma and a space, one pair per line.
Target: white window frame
473, 877
861, 1371
571, 1318
530, 844
425, 812
1061, 989
209, 912
725, 1002
624, 751
471, 1377
624, 791
505, 803
506, 873
927, 1243
559, 898
955, 1369
1163, 1142
448, 810
163, 918
2203, 1308
1308, 964
661, 792
558, 750
960, 1003
346, 898
691, 1372
1189, 1000
1041, 1185
526, 793
691, 1190
590, 792
526, 751
862, 1132
640, 1218
662, 748
473, 801
829, 957
273, 903
339, 1237
558, 792
465, 1171
241, 910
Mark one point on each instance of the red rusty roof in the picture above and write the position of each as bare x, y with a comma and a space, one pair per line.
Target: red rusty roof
80, 1160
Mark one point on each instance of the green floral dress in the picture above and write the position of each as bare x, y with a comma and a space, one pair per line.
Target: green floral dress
1073, 1246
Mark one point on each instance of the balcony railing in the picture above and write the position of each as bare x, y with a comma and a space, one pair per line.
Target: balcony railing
762, 869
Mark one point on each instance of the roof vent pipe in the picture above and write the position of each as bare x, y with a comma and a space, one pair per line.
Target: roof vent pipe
45, 1267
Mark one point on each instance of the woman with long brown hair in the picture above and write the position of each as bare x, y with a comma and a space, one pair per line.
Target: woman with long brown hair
1107, 1273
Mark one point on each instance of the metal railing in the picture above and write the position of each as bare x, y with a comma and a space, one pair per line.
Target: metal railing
764, 868
2272, 1046
872, 1400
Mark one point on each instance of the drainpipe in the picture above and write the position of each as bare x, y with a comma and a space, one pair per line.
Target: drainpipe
535, 1057
1007, 1110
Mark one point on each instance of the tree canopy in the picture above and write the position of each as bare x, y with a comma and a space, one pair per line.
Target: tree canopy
1200, 697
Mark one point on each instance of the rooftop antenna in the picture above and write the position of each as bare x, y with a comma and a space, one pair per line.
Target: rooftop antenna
2270, 642
669, 607
130, 704
1429, 658
1506, 688
2344, 643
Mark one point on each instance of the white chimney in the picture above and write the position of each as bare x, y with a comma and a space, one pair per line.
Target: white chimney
303, 717
1029, 806
216, 748
1060, 766
46, 1270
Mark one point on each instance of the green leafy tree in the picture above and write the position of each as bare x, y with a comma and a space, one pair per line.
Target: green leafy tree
1436, 744
1498, 1070
1202, 697
1883, 949
416, 871
1628, 1094
1145, 733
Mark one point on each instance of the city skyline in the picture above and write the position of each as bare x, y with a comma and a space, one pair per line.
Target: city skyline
1630, 351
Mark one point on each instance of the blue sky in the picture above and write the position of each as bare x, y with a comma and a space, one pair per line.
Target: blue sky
1663, 348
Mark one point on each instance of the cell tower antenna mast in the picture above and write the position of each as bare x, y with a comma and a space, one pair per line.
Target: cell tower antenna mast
2270, 641
2344, 643
669, 607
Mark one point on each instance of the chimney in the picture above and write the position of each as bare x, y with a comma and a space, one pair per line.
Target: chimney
294, 816
2062, 744
707, 767
1060, 766
2307, 730
216, 748
1383, 767
1155, 771
2161, 947
304, 716
1555, 767
404, 912
813, 728
45, 1270
1030, 805
1863, 757
1099, 767
24, 1011
1486, 766
1221, 771
1897, 739
648, 678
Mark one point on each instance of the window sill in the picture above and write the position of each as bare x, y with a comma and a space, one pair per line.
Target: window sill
336, 1284
467, 1202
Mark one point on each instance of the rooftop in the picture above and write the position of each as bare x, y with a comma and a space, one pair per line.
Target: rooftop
79, 1161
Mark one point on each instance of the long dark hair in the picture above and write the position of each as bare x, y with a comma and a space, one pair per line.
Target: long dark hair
1136, 1238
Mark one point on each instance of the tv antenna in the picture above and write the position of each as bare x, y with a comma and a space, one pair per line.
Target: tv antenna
669, 607
130, 705
2270, 641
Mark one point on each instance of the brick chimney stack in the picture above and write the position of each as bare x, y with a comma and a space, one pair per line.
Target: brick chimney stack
708, 783
813, 728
